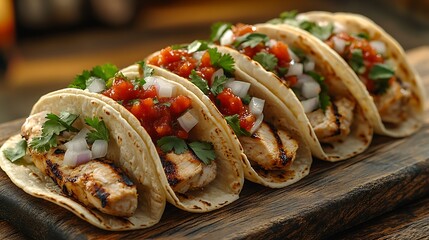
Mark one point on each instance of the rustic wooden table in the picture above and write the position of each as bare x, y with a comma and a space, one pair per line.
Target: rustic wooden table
382, 193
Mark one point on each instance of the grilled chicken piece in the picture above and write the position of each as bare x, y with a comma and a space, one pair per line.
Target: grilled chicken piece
333, 124
392, 104
95, 184
270, 148
186, 172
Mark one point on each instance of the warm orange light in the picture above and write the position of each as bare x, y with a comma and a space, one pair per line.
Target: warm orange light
7, 24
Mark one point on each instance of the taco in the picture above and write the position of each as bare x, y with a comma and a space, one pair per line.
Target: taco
275, 153
379, 72
196, 161
298, 71
79, 153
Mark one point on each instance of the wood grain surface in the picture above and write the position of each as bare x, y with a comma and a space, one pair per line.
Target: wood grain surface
334, 197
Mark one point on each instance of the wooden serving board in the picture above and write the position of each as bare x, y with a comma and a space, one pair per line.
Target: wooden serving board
334, 197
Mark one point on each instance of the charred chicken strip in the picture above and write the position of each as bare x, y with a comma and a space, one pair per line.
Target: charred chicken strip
270, 148
333, 124
186, 172
95, 184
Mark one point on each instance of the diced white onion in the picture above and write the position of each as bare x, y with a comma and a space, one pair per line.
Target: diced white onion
76, 144
339, 44
79, 141
256, 106
239, 88
295, 69
99, 148
227, 38
294, 57
257, 123
271, 43
310, 105
165, 89
187, 121
198, 55
217, 73
309, 65
379, 46
150, 81
74, 158
310, 89
302, 79
96, 85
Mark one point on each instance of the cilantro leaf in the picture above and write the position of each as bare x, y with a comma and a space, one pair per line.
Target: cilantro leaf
104, 72
234, 123
267, 60
324, 99
170, 143
288, 14
363, 35
218, 29
251, 40
147, 71
199, 82
321, 32
246, 99
381, 74
286, 17
197, 45
99, 131
43, 143
356, 61
17, 152
218, 84
178, 46
204, 151
224, 61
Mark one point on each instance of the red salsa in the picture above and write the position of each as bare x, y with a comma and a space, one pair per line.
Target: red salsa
180, 62
157, 115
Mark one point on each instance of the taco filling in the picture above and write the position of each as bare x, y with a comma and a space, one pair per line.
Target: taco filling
213, 73
168, 118
368, 58
75, 159
330, 117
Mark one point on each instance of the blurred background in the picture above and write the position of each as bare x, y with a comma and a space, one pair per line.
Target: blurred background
44, 44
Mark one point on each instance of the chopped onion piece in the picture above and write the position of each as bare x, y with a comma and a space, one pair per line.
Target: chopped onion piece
294, 57
82, 133
239, 88
257, 124
310, 105
187, 121
310, 89
379, 46
99, 149
309, 65
227, 38
96, 85
198, 55
338, 27
271, 43
150, 81
256, 105
76, 144
74, 158
131, 72
295, 69
302, 79
165, 89
217, 73
339, 44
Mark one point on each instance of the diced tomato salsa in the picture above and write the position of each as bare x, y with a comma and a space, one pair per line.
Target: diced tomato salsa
279, 50
370, 55
180, 62
157, 115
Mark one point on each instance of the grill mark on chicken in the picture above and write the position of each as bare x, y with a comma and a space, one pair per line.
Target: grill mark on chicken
53, 168
282, 154
170, 171
101, 194
59, 151
337, 119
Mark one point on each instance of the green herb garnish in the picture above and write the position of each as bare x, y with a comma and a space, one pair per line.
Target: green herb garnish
251, 40
218, 84
234, 123
356, 61
267, 60
104, 72
321, 32
220, 60
199, 82
218, 29
17, 152
99, 131
170, 143
324, 99
197, 45
204, 151
381, 74
51, 129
